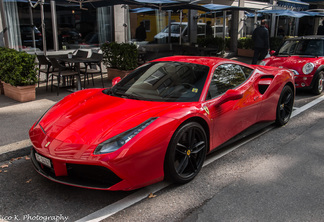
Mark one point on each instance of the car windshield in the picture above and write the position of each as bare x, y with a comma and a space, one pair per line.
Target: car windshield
175, 28
163, 81
305, 47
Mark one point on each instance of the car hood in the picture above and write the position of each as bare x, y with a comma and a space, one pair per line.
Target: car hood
289, 62
90, 116
162, 35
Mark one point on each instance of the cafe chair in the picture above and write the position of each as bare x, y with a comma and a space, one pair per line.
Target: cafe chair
60, 71
93, 68
81, 54
43, 66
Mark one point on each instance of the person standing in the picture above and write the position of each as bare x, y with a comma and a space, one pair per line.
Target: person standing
260, 38
209, 30
140, 34
320, 30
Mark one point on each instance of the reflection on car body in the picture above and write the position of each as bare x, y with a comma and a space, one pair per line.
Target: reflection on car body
26, 32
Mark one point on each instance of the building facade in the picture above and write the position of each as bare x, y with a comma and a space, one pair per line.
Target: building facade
59, 25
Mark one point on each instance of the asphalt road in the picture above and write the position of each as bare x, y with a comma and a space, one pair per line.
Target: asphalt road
277, 176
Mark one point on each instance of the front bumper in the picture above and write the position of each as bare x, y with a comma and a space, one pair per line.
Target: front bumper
303, 81
79, 175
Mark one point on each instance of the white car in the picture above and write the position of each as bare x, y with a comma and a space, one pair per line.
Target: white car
177, 27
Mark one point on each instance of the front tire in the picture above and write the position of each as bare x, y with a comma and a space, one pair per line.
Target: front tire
319, 84
285, 105
186, 153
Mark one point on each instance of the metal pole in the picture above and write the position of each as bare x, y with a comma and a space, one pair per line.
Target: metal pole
4, 25
32, 24
169, 21
125, 23
54, 25
43, 26
180, 27
224, 24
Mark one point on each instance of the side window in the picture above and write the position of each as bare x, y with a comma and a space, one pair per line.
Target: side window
247, 71
225, 77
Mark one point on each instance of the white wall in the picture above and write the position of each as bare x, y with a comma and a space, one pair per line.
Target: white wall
119, 14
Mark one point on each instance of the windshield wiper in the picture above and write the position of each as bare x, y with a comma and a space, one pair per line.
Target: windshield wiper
126, 95
133, 96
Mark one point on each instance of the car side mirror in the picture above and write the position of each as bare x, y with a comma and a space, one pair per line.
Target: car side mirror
115, 80
229, 95
272, 52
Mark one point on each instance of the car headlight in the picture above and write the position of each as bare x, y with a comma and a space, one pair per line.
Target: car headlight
308, 68
263, 63
120, 140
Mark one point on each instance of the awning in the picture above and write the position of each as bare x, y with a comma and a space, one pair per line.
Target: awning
142, 10
96, 3
293, 4
217, 7
290, 13
166, 5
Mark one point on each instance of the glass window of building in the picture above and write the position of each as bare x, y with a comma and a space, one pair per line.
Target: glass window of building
76, 28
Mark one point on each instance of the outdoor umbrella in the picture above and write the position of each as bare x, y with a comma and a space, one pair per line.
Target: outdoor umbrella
97, 3
288, 13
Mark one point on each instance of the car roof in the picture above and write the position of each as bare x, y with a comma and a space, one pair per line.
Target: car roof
209, 61
307, 37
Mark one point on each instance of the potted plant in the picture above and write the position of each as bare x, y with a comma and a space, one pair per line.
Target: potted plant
119, 58
245, 47
18, 74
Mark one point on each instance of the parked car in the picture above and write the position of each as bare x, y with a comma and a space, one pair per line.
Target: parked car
305, 56
158, 122
71, 36
175, 31
26, 32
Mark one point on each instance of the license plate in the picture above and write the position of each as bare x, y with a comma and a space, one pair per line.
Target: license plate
43, 160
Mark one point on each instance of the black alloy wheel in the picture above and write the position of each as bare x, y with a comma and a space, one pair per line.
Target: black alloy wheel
319, 84
285, 105
186, 153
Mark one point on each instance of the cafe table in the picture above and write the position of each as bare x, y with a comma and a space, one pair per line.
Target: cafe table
77, 60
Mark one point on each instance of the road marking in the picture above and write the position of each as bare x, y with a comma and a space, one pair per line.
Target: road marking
307, 106
124, 203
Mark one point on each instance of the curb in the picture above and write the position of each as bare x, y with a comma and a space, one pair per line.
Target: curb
16, 153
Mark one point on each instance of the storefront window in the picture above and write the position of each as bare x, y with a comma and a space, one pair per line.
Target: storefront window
79, 28
76, 28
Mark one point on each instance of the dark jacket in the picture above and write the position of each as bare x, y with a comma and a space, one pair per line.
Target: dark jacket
140, 34
320, 30
260, 37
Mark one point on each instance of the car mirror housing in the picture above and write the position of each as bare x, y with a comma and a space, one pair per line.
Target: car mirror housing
272, 52
115, 80
229, 95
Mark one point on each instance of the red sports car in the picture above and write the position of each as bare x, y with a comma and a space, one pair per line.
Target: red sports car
157, 123
305, 57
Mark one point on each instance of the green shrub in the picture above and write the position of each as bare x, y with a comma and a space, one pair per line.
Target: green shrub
212, 42
122, 56
275, 43
17, 68
245, 43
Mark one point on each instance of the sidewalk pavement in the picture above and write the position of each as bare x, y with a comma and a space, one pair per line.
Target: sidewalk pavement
16, 118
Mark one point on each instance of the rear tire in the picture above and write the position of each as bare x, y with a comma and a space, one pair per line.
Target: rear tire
319, 84
186, 153
285, 105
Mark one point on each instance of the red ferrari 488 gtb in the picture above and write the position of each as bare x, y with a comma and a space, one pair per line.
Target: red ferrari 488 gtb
157, 123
